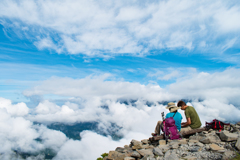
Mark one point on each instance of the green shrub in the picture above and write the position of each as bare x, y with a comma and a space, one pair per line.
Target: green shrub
103, 155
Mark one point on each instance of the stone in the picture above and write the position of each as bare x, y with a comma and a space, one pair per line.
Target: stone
164, 148
144, 141
145, 152
210, 139
138, 146
182, 141
193, 141
171, 156
148, 157
174, 146
135, 142
215, 147
145, 146
190, 158
199, 144
227, 136
162, 142
116, 155
158, 152
237, 145
195, 149
135, 154
227, 155
129, 158
120, 149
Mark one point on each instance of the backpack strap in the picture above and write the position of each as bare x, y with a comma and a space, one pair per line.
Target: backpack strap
174, 114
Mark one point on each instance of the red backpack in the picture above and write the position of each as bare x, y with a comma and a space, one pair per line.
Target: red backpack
216, 124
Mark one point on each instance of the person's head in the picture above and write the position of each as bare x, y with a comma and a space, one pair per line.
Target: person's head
172, 108
182, 104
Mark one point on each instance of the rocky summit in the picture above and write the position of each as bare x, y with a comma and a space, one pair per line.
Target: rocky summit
206, 145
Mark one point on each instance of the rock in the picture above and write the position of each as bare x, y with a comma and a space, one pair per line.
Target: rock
171, 156
129, 158
164, 148
162, 142
195, 149
148, 157
227, 155
193, 141
174, 146
226, 136
238, 123
199, 144
182, 141
135, 142
158, 152
145, 152
144, 141
120, 149
215, 147
190, 158
145, 146
116, 155
135, 154
210, 139
237, 145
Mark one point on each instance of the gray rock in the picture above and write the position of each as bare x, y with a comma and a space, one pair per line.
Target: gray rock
227, 155
135, 154
174, 146
210, 139
226, 136
164, 148
195, 149
144, 141
158, 151
171, 156
190, 158
148, 157
135, 142
237, 145
129, 158
145, 152
120, 149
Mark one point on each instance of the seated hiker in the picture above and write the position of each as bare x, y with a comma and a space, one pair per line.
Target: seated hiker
193, 121
173, 113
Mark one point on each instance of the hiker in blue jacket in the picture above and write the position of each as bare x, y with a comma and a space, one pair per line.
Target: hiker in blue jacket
173, 113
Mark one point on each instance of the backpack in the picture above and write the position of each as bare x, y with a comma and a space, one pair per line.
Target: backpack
170, 129
216, 124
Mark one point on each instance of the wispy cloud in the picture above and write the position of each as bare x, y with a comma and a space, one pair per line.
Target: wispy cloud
103, 28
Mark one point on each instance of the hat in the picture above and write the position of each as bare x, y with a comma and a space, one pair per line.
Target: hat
174, 108
170, 105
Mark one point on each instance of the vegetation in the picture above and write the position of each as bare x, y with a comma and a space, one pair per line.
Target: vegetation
103, 155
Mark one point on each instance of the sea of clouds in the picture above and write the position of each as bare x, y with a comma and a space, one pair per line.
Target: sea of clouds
214, 95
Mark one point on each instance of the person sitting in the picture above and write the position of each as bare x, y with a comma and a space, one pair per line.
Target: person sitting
173, 113
193, 120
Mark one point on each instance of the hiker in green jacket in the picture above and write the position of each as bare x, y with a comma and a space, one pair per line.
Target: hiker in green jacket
193, 121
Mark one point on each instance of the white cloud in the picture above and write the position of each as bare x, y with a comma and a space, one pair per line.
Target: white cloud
104, 28
19, 109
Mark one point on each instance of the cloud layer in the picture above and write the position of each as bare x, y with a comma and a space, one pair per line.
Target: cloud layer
106, 28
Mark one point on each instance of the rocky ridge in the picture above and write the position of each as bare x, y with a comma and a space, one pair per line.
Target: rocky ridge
210, 144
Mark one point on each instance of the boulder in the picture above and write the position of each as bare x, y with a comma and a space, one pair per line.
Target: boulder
135, 154
144, 141
145, 152
158, 152
215, 147
227, 136
116, 155
129, 158
162, 142
237, 145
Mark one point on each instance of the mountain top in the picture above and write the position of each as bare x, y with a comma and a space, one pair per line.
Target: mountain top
210, 144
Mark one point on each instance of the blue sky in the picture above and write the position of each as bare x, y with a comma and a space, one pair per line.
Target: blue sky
61, 61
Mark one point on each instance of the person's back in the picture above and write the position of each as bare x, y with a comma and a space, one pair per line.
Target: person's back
191, 113
177, 117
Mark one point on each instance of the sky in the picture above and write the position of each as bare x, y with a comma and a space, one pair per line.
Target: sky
61, 61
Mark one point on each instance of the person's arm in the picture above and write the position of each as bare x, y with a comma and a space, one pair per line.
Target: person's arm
185, 124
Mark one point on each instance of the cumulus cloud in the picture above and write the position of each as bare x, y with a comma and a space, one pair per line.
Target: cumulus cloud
104, 28
133, 108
